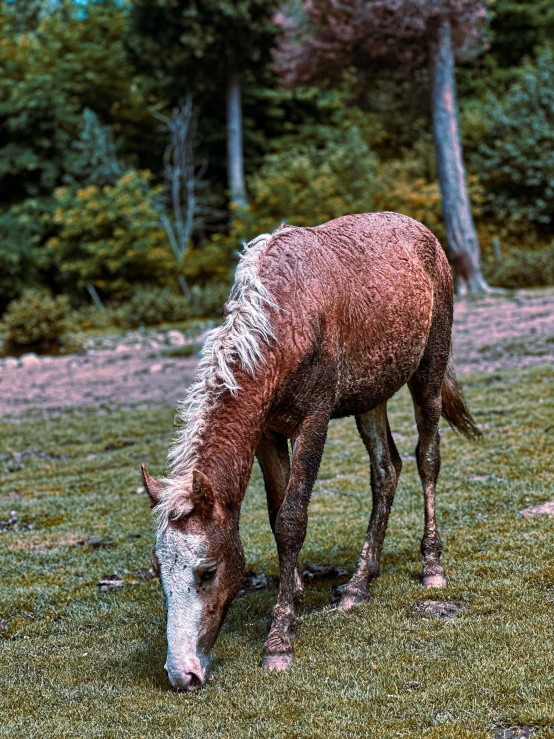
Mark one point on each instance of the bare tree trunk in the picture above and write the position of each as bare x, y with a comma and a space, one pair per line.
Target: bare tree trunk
235, 159
463, 244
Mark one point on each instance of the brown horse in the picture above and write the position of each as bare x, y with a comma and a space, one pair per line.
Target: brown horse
321, 323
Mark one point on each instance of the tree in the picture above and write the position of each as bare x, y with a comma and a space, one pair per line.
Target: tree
333, 34
184, 182
209, 46
49, 74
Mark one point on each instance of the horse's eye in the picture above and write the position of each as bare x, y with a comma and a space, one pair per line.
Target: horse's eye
208, 575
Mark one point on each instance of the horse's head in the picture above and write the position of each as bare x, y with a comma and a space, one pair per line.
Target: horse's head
200, 561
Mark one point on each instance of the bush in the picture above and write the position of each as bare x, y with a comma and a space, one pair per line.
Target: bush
308, 184
532, 268
150, 306
110, 237
208, 302
515, 160
36, 317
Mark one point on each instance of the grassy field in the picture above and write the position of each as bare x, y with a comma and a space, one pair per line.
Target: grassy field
79, 662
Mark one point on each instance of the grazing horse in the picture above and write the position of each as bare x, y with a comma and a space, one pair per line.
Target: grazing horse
321, 323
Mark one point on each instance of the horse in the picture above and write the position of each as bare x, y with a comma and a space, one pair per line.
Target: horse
321, 323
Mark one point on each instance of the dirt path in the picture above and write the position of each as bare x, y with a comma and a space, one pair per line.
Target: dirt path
490, 334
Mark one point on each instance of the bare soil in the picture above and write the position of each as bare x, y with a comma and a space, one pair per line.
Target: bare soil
491, 333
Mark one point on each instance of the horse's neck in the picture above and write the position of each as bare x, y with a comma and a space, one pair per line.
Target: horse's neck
225, 452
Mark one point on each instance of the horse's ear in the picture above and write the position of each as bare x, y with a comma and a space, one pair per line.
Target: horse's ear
153, 487
202, 494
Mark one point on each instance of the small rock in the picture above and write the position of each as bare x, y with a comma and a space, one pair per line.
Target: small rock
29, 360
109, 582
11, 363
122, 348
12, 523
156, 368
253, 583
140, 491
541, 509
175, 338
411, 685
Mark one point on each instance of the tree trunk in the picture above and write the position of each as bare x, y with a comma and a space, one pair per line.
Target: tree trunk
235, 159
463, 244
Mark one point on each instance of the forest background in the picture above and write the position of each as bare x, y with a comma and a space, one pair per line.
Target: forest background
115, 183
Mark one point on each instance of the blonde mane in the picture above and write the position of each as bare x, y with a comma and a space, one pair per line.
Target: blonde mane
237, 342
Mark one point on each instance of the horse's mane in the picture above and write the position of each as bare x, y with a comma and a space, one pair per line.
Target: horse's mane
237, 342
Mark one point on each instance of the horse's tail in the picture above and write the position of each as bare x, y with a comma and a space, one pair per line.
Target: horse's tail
454, 408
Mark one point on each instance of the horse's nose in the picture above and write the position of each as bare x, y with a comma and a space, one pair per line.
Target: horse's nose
184, 680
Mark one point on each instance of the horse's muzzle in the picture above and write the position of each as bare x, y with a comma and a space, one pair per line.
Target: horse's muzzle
187, 676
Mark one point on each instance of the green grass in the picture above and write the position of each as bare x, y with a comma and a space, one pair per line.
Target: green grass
77, 662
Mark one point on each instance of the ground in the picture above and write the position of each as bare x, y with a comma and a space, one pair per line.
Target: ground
474, 660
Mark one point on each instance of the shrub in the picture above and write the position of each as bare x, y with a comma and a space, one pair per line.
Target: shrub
36, 317
110, 237
518, 268
308, 184
515, 160
150, 306
208, 302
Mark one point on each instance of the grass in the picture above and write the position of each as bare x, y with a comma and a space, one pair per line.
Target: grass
78, 662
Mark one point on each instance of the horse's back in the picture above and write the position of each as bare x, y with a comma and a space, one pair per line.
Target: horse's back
365, 289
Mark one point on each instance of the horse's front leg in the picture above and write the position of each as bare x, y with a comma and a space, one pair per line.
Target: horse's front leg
290, 530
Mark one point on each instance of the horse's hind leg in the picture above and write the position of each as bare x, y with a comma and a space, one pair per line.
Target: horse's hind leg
273, 457
426, 394
385, 471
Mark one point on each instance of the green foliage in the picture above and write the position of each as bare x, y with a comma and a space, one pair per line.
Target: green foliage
95, 159
518, 28
304, 184
515, 160
199, 40
208, 302
48, 75
523, 268
150, 306
19, 229
110, 237
36, 317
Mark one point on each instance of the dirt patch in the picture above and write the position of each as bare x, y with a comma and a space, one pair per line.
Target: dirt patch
439, 608
504, 331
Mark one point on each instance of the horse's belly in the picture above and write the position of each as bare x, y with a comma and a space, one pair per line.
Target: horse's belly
373, 373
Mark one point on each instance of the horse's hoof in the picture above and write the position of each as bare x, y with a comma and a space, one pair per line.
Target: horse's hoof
434, 581
278, 662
